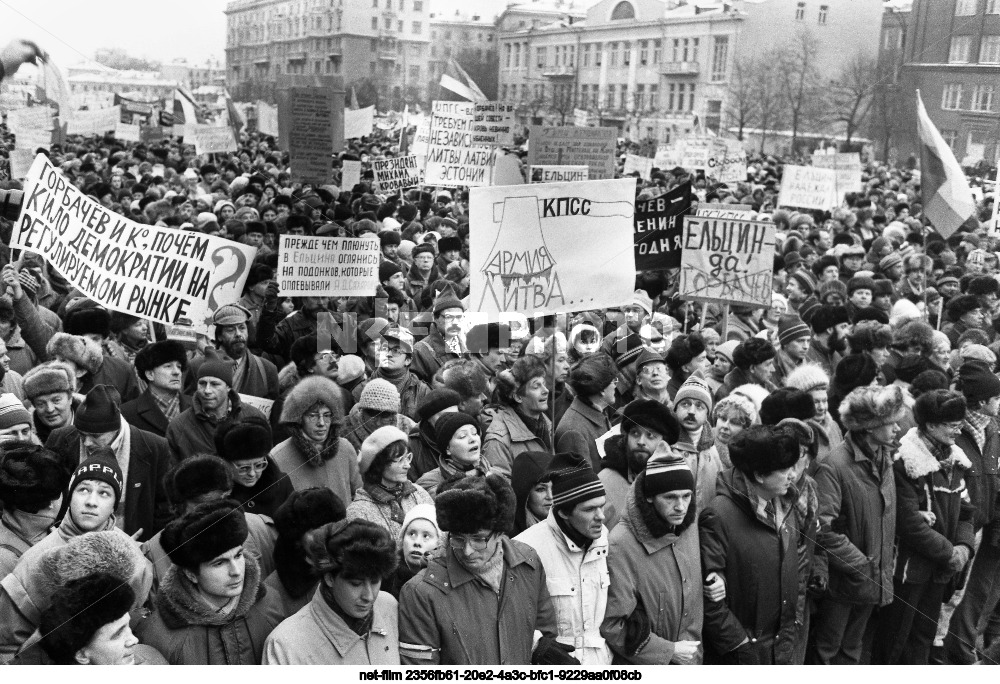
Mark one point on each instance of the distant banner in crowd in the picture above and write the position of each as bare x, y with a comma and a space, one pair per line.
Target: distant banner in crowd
545, 246
421, 137
559, 174
163, 274
581, 118
727, 260
327, 266
94, 121
396, 173
29, 118
350, 174
739, 212
20, 163
133, 108
636, 164
452, 158
847, 167
727, 161
573, 146
306, 118
658, 224
209, 139
358, 123
127, 132
267, 118
807, 187
493, 124
155, 134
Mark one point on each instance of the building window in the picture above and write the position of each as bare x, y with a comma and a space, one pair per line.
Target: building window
415, 72
982, 98
680, 97
624, 98
640, 97
959, 52
517, 55
507, 54
540, 57
416, 27
598, 54
993, 6
584, 94
950, 137
626, 54
965, 8
610, 101
657, 51
720, 55
685, 49
800, 11
713, 115
585, 58
823, 10
989, 50
643, 52
654, 97
623, 10
374, 23
613, 59
418, 5
952, 97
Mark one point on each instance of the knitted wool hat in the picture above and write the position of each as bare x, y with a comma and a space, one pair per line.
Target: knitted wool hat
218, 369
808, 377
379, 395
653, 416
791, 328
832, 287
808, 309
805, 281
103, 467
377, 441
573, 481
643, 301
449, 424
977, 383
420, 512
753, 393
447, 299
726, 349
49, 378
12, 412
99, 411
666, 472
437, 400
231, 314
889, 260
694, 388
204, 533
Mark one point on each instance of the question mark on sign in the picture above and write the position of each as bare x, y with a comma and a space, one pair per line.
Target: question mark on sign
239, 262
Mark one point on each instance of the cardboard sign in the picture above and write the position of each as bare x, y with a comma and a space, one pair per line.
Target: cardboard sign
209, 139
163, 274
668, 157
574, 146
259, 403
397, 173
20, 162
559, 174
267, 118
727, 161
727, 261
358, 123
581, 118
350, 174
493, 124
806, 187
739, 212
306, 121
847, 167
540, 249
421, 137
658, 224
328, 266
186, 336
452, 158
94, 121
636, 164
127, 132
154, 134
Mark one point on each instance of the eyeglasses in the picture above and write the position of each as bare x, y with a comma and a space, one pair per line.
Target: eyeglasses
954, 426
316, 416
459, 542
252, 468
408, 456
391, 351
453, 318
327, 355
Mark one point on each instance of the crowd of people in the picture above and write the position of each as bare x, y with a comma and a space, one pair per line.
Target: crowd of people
663, 482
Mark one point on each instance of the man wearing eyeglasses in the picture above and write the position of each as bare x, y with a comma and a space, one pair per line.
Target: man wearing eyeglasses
445, 339
395, 354
484, 600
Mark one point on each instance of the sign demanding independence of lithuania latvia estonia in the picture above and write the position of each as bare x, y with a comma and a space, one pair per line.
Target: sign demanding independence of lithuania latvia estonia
167, 275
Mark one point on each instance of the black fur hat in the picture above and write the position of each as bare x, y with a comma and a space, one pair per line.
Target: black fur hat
154, 355
307, 509
354, 549
592, 374
939, 406
786, 402
753, 351
764, 449
80, 608
244, 439
31, 477
207, 531
89, 320
476, 503
196, 476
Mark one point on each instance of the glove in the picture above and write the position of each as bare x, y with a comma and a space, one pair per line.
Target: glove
551, 652
959, 557
271, 296
637, 629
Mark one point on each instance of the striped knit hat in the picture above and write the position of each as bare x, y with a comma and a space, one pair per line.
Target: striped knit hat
666, 472
694, 388
792, 328
12, 412
573, 482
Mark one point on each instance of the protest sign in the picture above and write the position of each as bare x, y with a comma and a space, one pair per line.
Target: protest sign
574, 146
351, 174
541, 248
493, 124
327, 266
847, 166
267, 118
154, 134
696, 152
358, 122
725, 211
163, 274
726, 260
31, 139
581, 118
127, 132
396, 173
259, 403
186, 336
668, 157
807, 187
306, 121
452, 158
94, 121
421, 137
559, 174
210, 139
30, 118
658, 223
636, 164
20, 162
727, 161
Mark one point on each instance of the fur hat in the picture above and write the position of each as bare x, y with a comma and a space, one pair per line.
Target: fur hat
763, 449
49, 378
829, 317
244, 439
476, 503
196, 476
854, 370
786, 402
808, 377
154, 355
651, 415
376, 442
437, 400
739, 402
311, 391
592, 375
84, 353
88, 320
860, 283
354, 549
961, 305
109, 551
78, 610
867, 408
379, 395
755, 393
753, 351
31, 477
939, 406
207, 531
683, 349
832, 287
307, 509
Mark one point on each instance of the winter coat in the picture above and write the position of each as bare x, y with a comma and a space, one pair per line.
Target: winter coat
761, 568
664, 573
923, 485
144, 413
367, 508
704, 462
857, 524
188, 632
192, 433
316, 635
783, 366
275, 335
424, 446
983, 479
827, 360
448, 617
289, 605
113, 373
272, 489
19, 531
22, 358
508, 436
432, 480
260, 379
357, 428
430, 353
412, 391
340, 473
586, 420
146, 505
578, 583
614, 476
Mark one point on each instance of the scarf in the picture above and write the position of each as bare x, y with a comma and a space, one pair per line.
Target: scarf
69, 529
537, 427
360, 626
169, 403
453, 345
491, 573
393, 498
582, 541
122, 446
30, 527
657, 526
977, 423
317, 454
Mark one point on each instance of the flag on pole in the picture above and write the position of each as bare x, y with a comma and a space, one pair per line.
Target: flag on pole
235, 120
404, 143
946, 196
354, 100
457, 81
185, 110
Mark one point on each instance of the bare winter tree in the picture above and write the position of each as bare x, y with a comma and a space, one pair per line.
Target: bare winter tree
562, 101
800, 82
769, 110
852, 94
742, 96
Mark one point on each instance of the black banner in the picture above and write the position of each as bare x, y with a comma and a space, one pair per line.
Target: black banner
658, 224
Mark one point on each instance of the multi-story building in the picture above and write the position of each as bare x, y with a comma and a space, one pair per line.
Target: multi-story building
471, 37
650, 67
192, 77
384, 43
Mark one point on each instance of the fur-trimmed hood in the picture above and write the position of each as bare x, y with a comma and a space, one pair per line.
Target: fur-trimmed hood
918, 460
180, 606
306, 394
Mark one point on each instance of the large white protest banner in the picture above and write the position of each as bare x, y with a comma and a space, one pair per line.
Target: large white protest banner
163, 274
327, 266
396, 173
847, 166
636, 164
452, 158
541, 248
358, 123
267, 118
94, 121
421, 137
668, 156
727, 260
30, 118
493, 124
210, 139
128, 132
350, 174
806, 187
559, 174
573, 146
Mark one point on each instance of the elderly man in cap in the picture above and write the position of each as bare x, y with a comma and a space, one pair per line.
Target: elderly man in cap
161, 365
445, 339
830, 325
572, 543
143, 457
395, 354
252, 375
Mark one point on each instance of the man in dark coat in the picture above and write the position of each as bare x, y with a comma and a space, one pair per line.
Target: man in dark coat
161, 365
143, 457
276, 332
444, 341
252, 375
